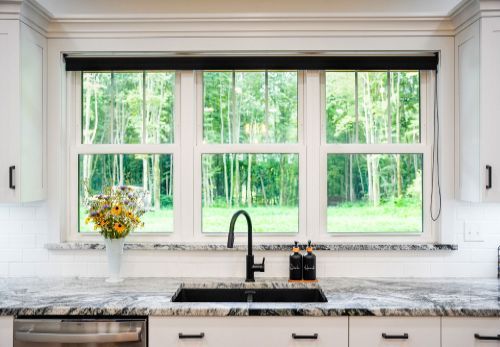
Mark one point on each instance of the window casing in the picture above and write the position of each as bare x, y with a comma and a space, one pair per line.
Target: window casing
311, 148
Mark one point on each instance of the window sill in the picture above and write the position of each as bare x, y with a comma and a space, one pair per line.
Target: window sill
187, 246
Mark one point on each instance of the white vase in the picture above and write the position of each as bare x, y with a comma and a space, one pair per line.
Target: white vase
114, 251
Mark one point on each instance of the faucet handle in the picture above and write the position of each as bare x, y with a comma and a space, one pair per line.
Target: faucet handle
261, 267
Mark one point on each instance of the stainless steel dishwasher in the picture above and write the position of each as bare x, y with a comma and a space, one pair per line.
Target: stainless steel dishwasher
80, 332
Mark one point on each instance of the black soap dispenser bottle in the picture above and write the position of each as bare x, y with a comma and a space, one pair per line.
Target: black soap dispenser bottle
296, 263
309, 273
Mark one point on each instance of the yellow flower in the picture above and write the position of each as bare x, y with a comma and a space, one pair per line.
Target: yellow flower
116, 210
87, 220
119, 227
130, 215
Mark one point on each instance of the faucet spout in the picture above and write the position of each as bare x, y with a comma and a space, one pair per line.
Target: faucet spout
251, 266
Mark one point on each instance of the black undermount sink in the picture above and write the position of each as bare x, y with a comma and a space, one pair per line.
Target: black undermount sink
301, 295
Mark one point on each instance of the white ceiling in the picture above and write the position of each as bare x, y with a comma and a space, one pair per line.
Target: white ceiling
172, 8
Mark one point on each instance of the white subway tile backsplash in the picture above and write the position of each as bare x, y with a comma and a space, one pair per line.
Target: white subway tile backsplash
11, 255
35, 255
22, 213
22, 241
4, 269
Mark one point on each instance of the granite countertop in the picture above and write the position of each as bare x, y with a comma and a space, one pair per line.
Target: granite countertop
346, 296
286, 247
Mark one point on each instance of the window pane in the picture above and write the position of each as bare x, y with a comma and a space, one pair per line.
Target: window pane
116, 109
250, 107
266, 185
373, 107
150, 172
374, 193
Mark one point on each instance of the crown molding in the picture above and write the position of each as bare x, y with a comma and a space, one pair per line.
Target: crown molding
261, 26
469, 11
27, 11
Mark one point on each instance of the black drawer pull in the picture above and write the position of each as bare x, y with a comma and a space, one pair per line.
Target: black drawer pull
305, 337
489, 184
11, 177
395, 337
482, 337
191, 336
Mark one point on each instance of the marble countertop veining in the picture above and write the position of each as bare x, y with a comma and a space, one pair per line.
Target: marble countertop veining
346, 296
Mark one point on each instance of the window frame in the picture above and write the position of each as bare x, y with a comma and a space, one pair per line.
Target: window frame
312, 150
428, 233
76, 148
298, 148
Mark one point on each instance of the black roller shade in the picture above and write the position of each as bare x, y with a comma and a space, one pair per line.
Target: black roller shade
74, 63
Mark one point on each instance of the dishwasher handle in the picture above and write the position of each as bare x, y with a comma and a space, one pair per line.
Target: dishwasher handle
50, 337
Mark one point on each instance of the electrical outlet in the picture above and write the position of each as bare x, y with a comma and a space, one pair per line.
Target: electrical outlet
472, 232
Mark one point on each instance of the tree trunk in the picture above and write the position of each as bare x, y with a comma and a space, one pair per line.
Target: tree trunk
368, 125
249, 181
156, 183
263, 187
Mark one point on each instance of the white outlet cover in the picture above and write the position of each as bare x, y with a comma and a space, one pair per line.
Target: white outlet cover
473, 232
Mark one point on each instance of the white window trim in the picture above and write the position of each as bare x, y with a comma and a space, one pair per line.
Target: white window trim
188, 148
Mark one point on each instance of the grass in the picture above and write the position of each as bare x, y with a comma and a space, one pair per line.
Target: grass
264, 219
358, 217
386, 218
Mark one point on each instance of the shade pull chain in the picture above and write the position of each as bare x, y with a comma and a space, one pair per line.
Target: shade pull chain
435, 167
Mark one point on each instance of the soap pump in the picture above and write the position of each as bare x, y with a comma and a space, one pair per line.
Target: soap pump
309, 262
296, 263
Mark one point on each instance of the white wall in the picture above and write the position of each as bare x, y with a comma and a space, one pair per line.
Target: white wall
23, 232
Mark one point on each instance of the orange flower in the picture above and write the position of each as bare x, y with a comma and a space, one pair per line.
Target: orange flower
119, 227
116, 210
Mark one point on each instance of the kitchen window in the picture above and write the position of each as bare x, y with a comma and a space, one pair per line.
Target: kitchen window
250, 147
353, 147
376, 152
125, 135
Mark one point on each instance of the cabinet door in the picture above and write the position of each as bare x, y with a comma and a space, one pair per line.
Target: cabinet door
6, 331
470, 332
394, 332
467, 103
248, 331
31, 172
490, 107
9, 110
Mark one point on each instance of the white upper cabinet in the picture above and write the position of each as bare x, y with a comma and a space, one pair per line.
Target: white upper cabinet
23, 61
477, 54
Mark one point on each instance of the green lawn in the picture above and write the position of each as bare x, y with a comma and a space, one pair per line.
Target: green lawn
264, 219
368, 219
343, 218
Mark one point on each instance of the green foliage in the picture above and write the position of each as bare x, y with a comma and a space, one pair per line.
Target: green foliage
255, 107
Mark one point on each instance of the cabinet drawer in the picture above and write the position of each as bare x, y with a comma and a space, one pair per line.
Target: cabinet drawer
248, 331
394, 332
470, 332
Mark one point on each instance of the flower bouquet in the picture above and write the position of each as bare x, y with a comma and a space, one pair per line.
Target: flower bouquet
115, 213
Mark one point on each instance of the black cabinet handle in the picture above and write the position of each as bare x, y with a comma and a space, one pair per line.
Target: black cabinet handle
489, 183
11, 177
191, 336
395, 337
482, 337
305, 337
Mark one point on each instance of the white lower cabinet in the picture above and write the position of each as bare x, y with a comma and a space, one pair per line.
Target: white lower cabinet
394, 332
470, 332
248, 331
6, 331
